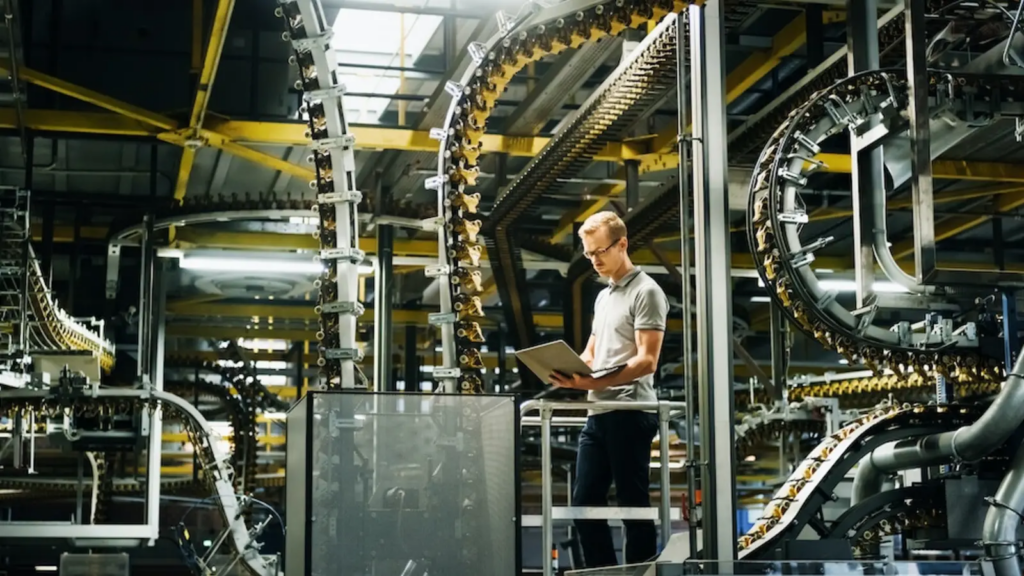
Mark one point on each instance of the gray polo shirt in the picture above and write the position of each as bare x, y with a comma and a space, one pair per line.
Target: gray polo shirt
635, 302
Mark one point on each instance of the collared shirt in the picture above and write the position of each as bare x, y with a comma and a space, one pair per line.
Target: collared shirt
635, 302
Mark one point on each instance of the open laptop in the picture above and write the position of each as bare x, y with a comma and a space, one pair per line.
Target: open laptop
557, 356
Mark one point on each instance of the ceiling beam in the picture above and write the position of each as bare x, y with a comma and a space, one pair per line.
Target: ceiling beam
214, 48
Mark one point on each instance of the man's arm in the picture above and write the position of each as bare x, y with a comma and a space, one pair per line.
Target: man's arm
648, 350
588, 353
650, 318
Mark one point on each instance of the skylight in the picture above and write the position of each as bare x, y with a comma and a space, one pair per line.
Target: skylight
371, 37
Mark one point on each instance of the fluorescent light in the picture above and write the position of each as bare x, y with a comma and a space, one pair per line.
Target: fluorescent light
761, 299
750, 458
250, 265
279, 416
851, 286
46, 568
264, 344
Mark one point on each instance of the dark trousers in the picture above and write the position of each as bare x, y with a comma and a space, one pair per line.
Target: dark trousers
615, 446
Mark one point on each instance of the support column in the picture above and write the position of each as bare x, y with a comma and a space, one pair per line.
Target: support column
778, 327
155, 354
686, 295
632, 184
384, 294
867, 165
146, 264
920, 140
412, 360
714, 285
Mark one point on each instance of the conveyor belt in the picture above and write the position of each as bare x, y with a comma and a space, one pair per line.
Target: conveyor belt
538, 31
627, 95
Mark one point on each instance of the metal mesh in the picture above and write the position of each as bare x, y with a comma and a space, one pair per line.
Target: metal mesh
409, 484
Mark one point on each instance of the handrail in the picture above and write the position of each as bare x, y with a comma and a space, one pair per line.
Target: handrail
547, 408
556, 405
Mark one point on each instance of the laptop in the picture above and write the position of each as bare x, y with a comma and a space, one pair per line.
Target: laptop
558, 356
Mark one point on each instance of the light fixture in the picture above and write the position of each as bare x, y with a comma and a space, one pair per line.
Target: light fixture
750, 458
46, 568
760, 299
248, 261
276, 416
851, 286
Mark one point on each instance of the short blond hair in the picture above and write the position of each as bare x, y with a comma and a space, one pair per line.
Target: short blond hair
609, 221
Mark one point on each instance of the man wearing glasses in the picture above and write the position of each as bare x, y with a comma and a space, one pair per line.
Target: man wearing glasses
628, 329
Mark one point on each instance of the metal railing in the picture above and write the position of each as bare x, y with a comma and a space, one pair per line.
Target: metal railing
547, 408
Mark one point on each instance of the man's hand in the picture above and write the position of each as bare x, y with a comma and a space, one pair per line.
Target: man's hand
576, 381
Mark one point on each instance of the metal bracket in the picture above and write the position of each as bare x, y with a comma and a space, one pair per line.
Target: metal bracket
321, 42
802, 260
325, 93
435, 182
793, 217
353, 354
343, 141
454, 88
793, 177
353, 255
807, 143
446, 373
352, 196
505, 22
350, 308
439, 134
436, 271
442, 318
478, 51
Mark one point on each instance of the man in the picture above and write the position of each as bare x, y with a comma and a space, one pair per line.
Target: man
628, 329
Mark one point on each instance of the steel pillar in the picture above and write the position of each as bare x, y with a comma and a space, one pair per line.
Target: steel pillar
714, 285
632, 184
412, 360
920, 140
867, 164
1011, 340
147, 262
384, 294
686, 297
158, 307
780, 360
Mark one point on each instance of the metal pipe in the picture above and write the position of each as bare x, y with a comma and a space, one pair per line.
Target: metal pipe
868, 178
383, 333
546, 488
968, 443
683, 150
666, 477
999, 534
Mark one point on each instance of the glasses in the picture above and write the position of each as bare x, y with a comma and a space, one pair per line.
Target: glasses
601, 252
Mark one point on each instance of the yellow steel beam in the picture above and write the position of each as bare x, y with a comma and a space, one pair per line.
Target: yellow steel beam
955, 225
77, 122
213, 51
218, 34
755, 67
90, 96
188, 159
943, 169
386, 138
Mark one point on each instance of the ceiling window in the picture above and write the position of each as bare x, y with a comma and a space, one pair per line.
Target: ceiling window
373, 38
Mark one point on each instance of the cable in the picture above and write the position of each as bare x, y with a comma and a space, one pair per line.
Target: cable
95, 485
